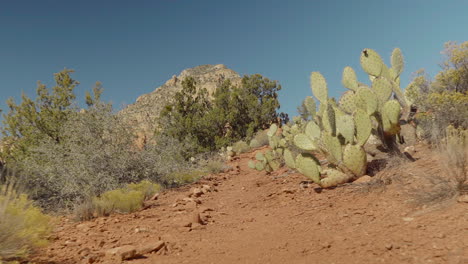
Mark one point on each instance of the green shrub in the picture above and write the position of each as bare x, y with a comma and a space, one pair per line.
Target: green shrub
184, 177
240, 147
118, 201
260, 139
124, 200
146, 187
23, 227
214, 166
444, 109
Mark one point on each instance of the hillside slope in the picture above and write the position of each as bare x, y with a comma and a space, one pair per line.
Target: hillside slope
245, 216
143, 113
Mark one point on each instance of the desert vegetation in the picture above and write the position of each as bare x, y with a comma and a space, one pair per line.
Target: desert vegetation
85, 160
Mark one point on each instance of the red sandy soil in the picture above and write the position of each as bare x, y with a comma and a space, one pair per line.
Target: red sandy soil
398, 216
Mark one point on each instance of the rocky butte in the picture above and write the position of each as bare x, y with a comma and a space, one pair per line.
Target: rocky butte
143, 113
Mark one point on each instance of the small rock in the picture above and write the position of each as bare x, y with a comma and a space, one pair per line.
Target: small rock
463, 198
151, 247
101, 243
389, 246
92, 258
155, 197
123, 252
196, 219
85, 227
363, 179
408, 219
84, 252
290, 191
141, 230
206, 188
70, 243
410, 150
205, 209
197, 192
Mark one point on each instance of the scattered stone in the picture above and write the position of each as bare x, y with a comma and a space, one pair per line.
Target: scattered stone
410, 150
363, 179
70, 243
92, 258
389, 246
141, 230
205, 209
290, 191
155, 197
151, 247
197, 192
206, 188
196, 219
122, 253
408, 219
84, 227
84, 252
463, 198
101, 243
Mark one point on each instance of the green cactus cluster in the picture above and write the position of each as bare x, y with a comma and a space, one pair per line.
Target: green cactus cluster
339, 130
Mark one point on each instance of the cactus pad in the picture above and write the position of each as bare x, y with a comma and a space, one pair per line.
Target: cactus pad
363, 126
355, 159
304, 142
308, 166
333, 147
319, 87
391, 110
272, 130
347, 102
349, 79
310, 105
382, 88
259, 156
397, 62
259, 166
251, 164
328, 120
312, 130
367, 100
289, 159
371, 62
345, 127
334, 178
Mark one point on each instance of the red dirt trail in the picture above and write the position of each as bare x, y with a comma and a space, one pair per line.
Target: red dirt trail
251, 217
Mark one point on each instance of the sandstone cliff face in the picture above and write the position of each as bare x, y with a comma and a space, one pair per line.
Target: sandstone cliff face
143, 113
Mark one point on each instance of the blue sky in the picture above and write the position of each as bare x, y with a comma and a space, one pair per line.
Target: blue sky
132, 47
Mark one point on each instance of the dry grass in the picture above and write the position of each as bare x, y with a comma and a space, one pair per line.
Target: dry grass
240, 147
23, 227
259, 140
454, 151
124, 200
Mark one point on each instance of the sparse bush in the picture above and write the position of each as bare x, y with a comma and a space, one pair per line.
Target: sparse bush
146, 187
214, 165
444, 109
97, 154
23, 227
443, 101
240, 147
183, 177
455, 155
260, 139
118, 201
124, 200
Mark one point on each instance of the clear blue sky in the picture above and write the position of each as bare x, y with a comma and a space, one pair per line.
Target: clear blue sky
132, 47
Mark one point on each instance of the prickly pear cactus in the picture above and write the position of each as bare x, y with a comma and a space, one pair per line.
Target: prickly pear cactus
339, 130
